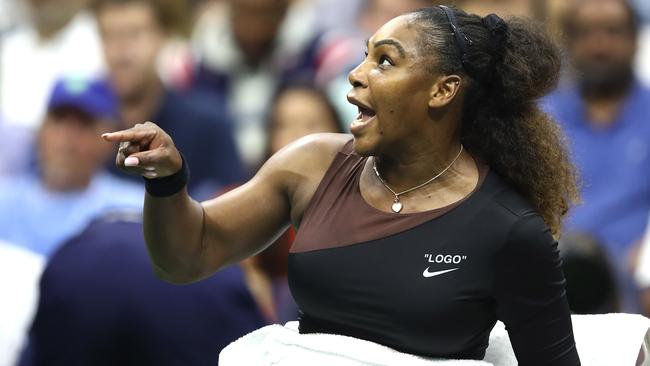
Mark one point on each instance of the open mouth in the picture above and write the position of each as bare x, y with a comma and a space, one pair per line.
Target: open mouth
365, 116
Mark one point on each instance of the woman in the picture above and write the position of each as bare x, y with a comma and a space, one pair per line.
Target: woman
436, 220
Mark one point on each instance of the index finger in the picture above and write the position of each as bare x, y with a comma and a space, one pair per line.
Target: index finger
130, 135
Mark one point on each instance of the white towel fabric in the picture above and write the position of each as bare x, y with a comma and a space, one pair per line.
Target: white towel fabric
611, 339
601, 340
283, 346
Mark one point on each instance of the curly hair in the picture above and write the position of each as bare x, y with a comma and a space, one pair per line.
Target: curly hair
502, 123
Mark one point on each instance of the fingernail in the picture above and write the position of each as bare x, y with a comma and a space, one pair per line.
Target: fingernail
150, 168
150, 174
131, 161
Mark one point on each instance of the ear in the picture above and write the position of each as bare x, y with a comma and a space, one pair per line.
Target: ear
444, 90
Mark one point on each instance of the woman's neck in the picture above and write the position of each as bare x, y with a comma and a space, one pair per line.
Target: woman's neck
420, 164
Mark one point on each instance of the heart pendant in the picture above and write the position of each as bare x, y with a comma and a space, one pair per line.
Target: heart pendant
396, 207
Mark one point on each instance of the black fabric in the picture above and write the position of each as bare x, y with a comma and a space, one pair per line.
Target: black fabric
169, 185
504, 265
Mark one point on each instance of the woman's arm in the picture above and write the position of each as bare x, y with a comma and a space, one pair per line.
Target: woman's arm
531, 296
188, 240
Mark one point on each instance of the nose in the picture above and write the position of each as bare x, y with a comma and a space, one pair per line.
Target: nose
357, 77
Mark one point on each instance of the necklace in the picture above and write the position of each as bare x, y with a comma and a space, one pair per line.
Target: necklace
397, 205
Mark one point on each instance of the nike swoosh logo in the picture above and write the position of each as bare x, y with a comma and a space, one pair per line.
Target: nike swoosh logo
426, 272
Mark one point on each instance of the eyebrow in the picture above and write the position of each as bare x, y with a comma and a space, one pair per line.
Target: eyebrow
389, 42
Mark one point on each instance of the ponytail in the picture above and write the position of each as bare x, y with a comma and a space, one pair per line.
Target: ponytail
511, 65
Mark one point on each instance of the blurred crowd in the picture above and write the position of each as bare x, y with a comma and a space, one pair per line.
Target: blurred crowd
234, 81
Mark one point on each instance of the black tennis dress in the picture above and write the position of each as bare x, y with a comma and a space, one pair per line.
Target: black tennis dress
431, 283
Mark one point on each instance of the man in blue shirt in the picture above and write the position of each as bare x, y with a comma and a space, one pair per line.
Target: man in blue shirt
101, 304
69, 188
133, 34
604, 114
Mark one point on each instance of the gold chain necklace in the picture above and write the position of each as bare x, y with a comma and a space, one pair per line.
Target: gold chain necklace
397, 205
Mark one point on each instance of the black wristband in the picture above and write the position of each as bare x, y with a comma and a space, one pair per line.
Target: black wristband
169, 185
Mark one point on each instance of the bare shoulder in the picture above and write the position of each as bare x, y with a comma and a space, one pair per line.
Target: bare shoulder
313, 150
300, 166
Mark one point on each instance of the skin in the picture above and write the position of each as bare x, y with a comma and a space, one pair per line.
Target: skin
132, 39
67, 166
603, 42
414, 135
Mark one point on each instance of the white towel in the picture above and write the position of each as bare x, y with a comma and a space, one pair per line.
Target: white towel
283, 346
601, 340
611, 339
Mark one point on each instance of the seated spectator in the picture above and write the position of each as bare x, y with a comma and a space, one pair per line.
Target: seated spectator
246, 49
42, 208
60, 38
591, 284
300, 110
101, 304
133, 33
20, 270
603, 112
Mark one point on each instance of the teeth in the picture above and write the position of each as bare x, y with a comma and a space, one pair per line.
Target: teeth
364, 114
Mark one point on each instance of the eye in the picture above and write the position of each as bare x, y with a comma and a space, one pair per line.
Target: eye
384, 61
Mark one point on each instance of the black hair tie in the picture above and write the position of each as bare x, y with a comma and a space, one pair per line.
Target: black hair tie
498, 30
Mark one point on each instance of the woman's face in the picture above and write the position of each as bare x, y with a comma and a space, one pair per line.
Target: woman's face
298, 113
392, 88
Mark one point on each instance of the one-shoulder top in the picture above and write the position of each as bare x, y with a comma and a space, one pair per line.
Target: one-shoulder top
432, 283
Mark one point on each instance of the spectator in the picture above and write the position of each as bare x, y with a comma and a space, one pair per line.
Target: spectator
604, 115
38, 210
20, 270
133, 32
247, 49
101, 304
591, 285
60, 39
298, 111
